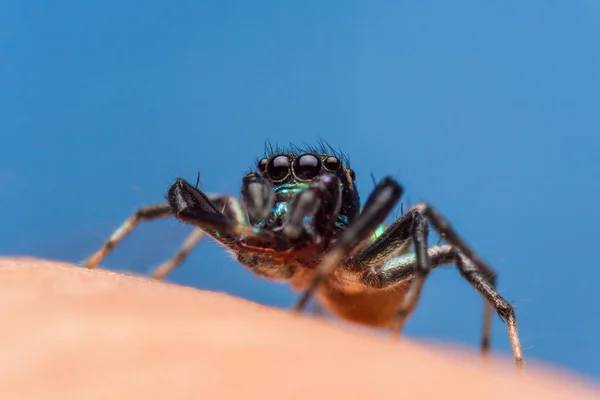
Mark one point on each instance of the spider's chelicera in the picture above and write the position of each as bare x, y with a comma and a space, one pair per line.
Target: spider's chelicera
299, 219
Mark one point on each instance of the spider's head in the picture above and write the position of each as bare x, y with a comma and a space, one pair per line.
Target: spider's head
290, 172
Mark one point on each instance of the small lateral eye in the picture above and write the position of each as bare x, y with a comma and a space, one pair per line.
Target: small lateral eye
352, 174
307, 166
278, 168
332, 163
262, 165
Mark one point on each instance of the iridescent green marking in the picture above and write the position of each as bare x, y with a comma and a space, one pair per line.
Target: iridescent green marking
405, 260
378, 232
290, 187
341, 221
280, 208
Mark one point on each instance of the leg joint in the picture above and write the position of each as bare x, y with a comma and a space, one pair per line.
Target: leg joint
373, 278
505, 310
152, 212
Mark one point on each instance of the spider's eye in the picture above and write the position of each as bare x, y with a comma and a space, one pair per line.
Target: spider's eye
352, 174
278, 168
332, 163
262, 165
307, 166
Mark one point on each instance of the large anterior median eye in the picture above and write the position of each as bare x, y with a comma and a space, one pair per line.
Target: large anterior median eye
307, 166
278, 168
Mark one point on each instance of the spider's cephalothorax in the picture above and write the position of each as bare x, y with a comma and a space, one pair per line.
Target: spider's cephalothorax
292, 172
307, 198
299, 219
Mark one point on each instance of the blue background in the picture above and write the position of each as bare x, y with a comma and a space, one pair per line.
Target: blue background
487, 110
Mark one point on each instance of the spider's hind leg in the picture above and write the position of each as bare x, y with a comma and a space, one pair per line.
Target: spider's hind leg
422, 212
166, 268
471, 267
147, 213
229, 206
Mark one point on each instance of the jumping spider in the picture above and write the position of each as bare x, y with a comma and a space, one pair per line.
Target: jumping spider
299, 219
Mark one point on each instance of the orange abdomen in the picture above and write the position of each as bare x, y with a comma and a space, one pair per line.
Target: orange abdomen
375, 307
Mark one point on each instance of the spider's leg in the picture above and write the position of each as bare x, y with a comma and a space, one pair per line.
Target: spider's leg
424, 267
485, 272
398, 270
192, 206
378, 206
401, 269
229, 206
317, 310
411, 227
395, 241
473, 274
147, 213
444, 228
190, 242
423, 210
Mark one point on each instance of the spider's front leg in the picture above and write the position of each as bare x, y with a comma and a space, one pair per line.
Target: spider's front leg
228, 206
147, 213
379, 204
192, 206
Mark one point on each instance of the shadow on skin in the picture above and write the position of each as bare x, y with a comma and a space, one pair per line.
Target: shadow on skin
72, 333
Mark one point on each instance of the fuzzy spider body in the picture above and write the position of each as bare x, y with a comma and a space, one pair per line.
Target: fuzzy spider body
342, 292
299, 219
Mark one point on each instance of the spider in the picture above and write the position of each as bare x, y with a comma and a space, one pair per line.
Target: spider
299, 219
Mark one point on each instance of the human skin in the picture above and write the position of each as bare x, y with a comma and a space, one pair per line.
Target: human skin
72, 333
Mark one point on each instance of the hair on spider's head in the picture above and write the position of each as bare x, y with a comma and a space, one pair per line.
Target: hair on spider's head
321, 148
